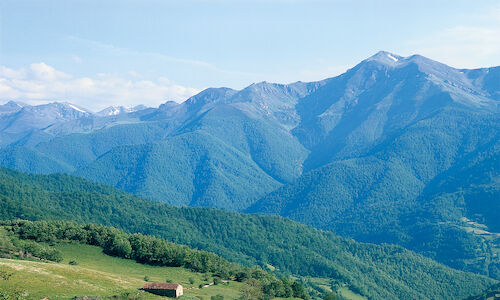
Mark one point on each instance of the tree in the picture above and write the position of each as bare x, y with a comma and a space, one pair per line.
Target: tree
242, 276
298, 290
118, 245
251, 290
330, 296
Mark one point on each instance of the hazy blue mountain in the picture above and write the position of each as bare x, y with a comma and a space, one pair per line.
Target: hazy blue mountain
403, 150
190, 169
118, 110
27, 125
235, 146
379, 97
10, 107
397, 149
439, 171
18, 121
31, 160
37, 117
487, 79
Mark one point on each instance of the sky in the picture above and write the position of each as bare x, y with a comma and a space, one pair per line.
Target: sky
101, 53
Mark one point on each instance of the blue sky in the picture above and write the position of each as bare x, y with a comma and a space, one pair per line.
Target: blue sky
100, 53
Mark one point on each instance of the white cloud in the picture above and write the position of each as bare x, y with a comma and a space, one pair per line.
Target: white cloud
44, 72
462, 46
474, 44
41, 83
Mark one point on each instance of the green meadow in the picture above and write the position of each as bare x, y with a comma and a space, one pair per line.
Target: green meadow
97, 274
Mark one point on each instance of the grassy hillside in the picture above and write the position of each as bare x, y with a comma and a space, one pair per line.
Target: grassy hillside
98, 274
141, 258
384, 271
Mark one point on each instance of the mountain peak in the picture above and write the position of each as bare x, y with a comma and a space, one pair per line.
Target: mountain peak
111, 111
210, 95
11, 107
74, 107
385, 57
394, 60
169, 104
14, 104
117, 110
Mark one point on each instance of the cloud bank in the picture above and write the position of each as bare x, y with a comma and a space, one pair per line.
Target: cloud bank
40, 83
471, 45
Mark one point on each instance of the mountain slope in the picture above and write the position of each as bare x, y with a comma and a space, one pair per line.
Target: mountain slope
184, 170
243, 137
388, 272
375, 100
381, 153
395, 194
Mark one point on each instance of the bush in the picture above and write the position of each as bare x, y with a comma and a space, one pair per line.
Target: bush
330, 296
4, 275
37, 250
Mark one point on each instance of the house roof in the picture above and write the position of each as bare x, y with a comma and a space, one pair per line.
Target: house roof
161, 286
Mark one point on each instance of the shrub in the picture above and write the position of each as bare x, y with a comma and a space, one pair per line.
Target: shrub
217, 280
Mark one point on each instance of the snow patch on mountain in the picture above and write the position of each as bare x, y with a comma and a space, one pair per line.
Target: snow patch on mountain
117, 110
392, 57
76, 108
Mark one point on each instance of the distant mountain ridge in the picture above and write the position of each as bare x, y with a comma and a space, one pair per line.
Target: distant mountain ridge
396, 149
117, 110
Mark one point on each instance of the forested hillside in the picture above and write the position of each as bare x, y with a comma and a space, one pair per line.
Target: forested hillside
397, 150
385, 271
410, 195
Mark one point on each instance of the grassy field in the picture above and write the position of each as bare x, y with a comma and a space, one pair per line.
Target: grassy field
98, 274
323, 285
91, 257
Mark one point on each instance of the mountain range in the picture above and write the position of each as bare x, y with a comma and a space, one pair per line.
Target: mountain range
401, 150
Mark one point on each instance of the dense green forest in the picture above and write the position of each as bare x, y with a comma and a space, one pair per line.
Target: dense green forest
493, 293
415, 189
383, 271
